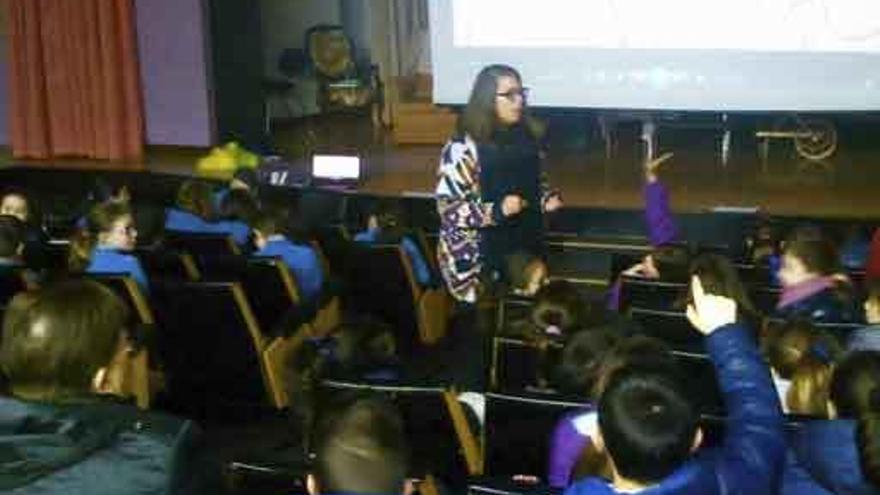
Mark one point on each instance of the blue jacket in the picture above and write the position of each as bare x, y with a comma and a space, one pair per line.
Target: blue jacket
823, 459
864, 339
302, 260
750, 459
238, 230
184, 221
420, 266
95, 447
823, 307
109, 260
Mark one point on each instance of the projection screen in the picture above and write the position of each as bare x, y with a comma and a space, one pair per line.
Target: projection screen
717, 55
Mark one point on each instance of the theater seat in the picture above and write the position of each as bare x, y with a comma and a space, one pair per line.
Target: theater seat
441, 441
136, 379
211, 346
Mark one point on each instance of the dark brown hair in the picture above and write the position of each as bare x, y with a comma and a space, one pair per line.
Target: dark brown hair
60, 337
100, 219
195, 197
479, 119
719, 277
855, 392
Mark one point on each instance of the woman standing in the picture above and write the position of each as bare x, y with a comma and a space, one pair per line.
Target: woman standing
491, 196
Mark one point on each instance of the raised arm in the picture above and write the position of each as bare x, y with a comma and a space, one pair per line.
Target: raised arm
754, 442
662, 228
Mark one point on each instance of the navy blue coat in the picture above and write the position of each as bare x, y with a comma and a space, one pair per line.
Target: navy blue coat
823, 307
750, 459
95, 447
823, 460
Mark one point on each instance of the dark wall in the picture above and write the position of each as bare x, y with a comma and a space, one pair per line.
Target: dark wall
237, 67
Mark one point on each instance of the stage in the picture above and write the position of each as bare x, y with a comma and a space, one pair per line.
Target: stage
845, 185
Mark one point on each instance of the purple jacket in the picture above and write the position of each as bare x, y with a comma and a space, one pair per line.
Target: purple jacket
662, 228
566, 445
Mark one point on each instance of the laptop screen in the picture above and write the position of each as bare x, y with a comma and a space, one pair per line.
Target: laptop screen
336, 167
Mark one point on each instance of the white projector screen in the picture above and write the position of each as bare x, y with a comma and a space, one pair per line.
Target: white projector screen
720, 55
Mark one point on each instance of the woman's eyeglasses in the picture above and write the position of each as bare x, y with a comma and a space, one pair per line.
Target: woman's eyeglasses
512, 95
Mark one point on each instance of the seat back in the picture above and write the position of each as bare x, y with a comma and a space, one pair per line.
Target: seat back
269, 286
519, 365
200, 245
441, 442
672, 327
167, 264
518, 431
651, 294
135, 373
380, 287
211, 345
701, 381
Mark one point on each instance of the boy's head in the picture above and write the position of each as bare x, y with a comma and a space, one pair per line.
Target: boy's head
581, 360
62, 340
387, 216
872, 302
268, 224
361, 449
195, 197
11, 237
16, 204
647, 423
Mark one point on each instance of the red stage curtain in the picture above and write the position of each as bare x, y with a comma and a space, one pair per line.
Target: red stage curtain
75, 79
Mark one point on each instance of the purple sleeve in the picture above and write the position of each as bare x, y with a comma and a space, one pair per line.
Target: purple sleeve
566, 446
662, 228
614, 294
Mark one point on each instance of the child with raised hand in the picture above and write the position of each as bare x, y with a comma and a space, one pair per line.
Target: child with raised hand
648, 425
666, 260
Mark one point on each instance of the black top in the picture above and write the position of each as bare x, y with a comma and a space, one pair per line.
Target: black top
510, 164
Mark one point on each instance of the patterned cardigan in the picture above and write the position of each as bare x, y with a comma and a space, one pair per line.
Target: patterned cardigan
462, 214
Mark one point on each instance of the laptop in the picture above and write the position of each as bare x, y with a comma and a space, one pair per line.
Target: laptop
337, 170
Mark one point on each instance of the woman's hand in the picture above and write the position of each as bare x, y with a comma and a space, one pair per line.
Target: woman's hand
651, 166
553, 203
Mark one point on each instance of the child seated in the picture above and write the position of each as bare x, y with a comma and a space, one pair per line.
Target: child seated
814, 285
527, 274
801, 358
302, 260
385, 225
194, 211
648, 425
238, 210
840, 455
104, 245
667, 259
588, 361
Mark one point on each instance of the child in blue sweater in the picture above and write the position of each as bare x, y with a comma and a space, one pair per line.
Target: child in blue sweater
302, 260
385, 225
104, 245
